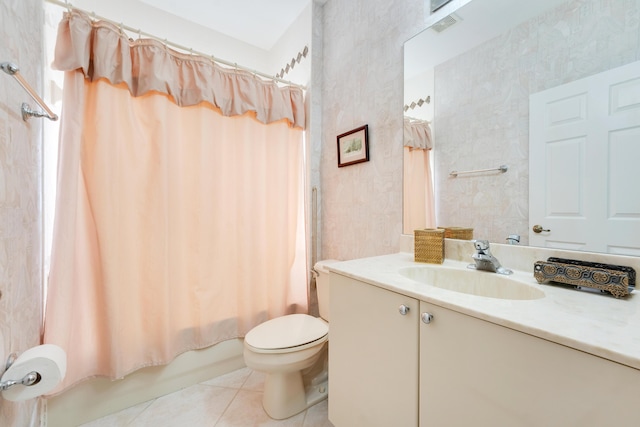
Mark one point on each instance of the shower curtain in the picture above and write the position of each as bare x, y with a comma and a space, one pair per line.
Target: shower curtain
418, 198
179, 218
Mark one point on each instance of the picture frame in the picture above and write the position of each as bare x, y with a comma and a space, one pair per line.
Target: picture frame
353, 146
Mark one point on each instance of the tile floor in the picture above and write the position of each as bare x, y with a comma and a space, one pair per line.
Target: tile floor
231, 400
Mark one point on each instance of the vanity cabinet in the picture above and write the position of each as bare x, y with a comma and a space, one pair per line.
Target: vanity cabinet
473, 372
373, 356
392, 369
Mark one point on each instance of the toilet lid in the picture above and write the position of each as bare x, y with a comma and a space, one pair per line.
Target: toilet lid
288, 331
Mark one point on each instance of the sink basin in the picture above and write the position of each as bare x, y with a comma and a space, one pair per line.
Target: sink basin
473, 282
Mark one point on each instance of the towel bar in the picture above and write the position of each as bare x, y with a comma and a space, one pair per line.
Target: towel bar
501, 168
13, 70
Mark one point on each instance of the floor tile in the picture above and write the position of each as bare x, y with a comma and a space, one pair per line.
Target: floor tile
255, 381
198, 405
231, 400
246, 411
122, 418
234, 379
317, 415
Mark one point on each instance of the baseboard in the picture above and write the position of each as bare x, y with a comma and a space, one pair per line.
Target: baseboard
99, 397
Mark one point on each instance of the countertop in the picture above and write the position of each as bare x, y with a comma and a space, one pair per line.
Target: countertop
595, 323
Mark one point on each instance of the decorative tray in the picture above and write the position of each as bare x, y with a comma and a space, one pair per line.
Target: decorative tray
631, 271
619, 281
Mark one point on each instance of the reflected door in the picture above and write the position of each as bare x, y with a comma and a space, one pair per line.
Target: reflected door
584, 164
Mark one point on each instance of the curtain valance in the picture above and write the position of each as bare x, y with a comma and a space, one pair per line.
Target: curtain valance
102, 51
417, 134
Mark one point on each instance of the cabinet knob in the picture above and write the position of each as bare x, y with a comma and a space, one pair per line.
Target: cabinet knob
426, 317
403, 309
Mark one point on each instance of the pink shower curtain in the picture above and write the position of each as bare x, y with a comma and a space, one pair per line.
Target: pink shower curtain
418, 198
179, 219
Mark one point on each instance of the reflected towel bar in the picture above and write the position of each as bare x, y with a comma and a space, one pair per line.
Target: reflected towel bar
501, 168
13, 70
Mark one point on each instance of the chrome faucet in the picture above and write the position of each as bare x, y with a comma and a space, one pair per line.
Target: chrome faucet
484, 260
513, 239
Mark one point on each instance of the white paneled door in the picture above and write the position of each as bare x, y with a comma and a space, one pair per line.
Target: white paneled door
584, 164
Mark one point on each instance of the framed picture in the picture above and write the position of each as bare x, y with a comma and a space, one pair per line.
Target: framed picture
353, 147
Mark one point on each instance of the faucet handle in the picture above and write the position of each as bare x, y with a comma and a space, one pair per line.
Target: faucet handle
481, 245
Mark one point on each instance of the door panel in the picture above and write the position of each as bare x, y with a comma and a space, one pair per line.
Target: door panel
584, 161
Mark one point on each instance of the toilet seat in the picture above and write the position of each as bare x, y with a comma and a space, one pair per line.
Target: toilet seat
285, 334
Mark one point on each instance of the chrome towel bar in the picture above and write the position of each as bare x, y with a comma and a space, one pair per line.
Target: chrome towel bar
13, 70
501, 168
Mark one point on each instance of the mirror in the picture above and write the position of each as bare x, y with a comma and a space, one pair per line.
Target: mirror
479, 63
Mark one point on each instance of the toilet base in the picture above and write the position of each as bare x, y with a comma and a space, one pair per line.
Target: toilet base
317, 393
279, 404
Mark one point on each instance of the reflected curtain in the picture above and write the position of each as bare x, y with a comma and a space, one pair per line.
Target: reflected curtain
179, 218
418, 198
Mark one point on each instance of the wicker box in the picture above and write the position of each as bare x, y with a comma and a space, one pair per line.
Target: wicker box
429, 245
462, 233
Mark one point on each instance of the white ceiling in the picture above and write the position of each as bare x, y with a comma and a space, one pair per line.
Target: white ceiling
260, 23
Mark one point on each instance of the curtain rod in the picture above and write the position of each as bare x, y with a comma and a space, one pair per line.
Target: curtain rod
69, 6
415, 119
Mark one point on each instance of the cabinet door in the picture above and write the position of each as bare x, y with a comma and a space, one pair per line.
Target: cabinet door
373, 356
476, 373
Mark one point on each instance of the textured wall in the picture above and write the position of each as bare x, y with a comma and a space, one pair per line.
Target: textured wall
361, 205
20, 201
482, 106
362, 73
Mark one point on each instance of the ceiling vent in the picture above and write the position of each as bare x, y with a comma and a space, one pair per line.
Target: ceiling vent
445, 23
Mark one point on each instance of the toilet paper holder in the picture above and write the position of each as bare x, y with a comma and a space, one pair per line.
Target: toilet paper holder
31, 378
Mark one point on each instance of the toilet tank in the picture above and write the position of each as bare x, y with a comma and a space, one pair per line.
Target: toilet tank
322, 286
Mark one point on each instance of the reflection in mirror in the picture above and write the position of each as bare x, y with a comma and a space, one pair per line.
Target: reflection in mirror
419, 206
482, 71
418, 197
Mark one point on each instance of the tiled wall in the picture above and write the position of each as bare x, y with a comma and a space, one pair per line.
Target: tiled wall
20, 201
362, 84
482, 106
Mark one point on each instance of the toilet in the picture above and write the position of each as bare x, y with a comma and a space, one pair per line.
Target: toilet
292, 351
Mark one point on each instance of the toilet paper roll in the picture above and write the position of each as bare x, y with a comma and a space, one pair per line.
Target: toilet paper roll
48, 360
